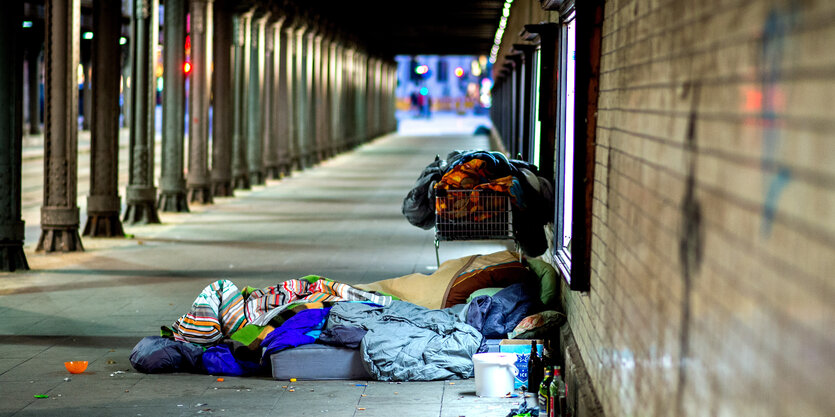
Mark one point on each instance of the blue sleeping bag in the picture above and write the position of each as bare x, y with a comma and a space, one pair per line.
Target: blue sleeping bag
155, 354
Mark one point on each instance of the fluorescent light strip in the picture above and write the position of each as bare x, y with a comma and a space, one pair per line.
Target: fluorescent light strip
497, 40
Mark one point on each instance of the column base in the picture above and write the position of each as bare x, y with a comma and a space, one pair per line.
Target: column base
274, 172
12, 257
310, 160
172, 202
200, 194
297, 163
286, 170
104, 225
256, 177
241, 182
141, 212
59, 239
222, 189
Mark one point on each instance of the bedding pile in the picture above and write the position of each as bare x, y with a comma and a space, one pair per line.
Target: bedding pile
403, 331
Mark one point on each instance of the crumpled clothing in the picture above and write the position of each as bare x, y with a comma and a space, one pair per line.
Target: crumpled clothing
155, 354
264, 304
498, 315
220, 360
494, 162
296, 331
407, 342
217, 311
343, 336
417, 206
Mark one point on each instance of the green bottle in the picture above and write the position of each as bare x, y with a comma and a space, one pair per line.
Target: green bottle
554, 394
543, 391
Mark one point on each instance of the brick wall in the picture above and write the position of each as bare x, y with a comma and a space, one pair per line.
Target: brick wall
713, 249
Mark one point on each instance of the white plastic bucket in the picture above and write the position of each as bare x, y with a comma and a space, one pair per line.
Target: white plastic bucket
494, 374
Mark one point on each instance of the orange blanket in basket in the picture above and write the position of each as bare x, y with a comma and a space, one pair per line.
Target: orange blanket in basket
471, 175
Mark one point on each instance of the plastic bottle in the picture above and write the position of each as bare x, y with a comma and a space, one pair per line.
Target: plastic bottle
543, 391
535, 370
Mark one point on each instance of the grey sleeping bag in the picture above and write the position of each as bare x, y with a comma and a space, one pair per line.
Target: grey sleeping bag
407, 342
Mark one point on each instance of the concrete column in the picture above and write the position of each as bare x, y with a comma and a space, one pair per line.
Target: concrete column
381, 97
59, 213
242, 36
267, 103
348, 101
373, 103
172, 196
335, 96
222, 104
141, 192
309, 98
361, 100
371, 94
272, 111
104, 203
198, 183
318, 73
324, 95
301, 97
387, 102
255, 95
287, 149
12, 257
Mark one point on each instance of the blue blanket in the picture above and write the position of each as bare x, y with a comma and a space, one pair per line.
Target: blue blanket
407, 342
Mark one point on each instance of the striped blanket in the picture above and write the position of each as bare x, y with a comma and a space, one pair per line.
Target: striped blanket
264, 304
221, 310
217, 311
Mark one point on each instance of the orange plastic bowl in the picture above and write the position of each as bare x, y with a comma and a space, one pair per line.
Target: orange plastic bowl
76, 367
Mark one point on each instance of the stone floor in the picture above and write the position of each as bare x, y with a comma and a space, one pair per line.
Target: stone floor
340, 219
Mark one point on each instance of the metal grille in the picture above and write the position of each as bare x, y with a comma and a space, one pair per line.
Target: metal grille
472, 215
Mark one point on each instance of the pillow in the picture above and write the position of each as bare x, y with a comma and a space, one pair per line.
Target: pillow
538, 326
491, 291
548, 282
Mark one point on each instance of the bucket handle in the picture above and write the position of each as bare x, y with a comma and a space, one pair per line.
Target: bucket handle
514, 369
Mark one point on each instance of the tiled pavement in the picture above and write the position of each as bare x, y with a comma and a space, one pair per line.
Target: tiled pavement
340, 219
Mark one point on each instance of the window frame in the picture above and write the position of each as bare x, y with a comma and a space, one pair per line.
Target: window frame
574, 261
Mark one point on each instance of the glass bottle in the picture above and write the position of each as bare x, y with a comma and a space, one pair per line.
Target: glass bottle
554, 393
543, 391
535, 370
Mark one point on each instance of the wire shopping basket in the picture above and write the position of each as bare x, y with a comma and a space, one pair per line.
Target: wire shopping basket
479, 214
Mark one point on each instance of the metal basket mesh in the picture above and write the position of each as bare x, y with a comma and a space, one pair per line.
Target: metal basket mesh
472, 215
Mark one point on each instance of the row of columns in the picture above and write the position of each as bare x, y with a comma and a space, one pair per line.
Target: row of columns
285, 92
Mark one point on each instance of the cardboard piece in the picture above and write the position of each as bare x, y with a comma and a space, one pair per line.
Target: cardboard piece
522, 349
